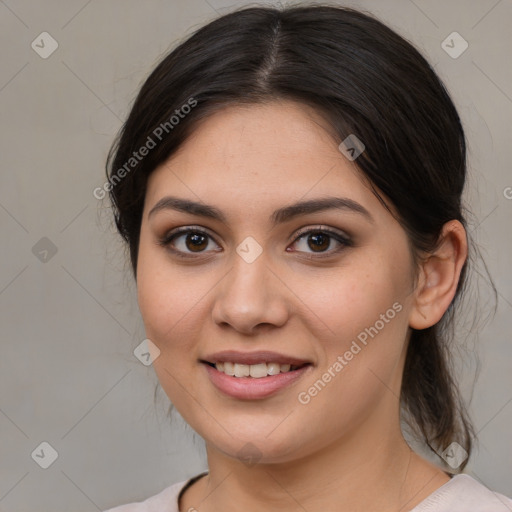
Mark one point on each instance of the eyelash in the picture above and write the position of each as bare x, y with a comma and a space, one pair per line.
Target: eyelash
343, 240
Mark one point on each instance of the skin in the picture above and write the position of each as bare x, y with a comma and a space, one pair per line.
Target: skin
345, 446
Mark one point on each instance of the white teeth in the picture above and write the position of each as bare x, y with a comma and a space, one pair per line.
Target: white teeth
242, 370
256, 371
273, 368
229, 368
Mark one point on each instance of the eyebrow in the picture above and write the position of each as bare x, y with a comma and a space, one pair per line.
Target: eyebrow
281, 215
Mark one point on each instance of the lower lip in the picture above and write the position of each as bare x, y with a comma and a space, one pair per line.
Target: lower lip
250, 388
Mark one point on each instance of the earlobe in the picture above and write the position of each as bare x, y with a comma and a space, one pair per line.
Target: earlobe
439, 277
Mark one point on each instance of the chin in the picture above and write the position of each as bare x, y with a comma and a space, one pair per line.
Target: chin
253, 451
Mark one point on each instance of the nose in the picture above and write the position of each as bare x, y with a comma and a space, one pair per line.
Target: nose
251, 298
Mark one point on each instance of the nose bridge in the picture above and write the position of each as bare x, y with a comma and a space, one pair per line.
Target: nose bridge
249, 296
247, 283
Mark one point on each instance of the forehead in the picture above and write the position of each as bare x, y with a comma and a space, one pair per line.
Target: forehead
253, 155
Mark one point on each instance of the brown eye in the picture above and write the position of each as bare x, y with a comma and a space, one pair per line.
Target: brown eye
318, 242
196, 242
323, 242
185, 242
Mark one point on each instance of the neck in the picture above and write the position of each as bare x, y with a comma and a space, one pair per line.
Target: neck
381, 474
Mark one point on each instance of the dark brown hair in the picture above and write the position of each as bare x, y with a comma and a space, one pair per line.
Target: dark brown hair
364, 79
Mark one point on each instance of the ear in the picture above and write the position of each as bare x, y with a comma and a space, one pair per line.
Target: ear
439, 277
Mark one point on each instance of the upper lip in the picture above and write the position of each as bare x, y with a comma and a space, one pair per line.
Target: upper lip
264, 356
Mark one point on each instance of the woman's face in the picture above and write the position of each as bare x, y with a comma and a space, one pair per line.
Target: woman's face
258, 279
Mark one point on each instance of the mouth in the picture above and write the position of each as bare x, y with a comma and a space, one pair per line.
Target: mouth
253, 376
254, 371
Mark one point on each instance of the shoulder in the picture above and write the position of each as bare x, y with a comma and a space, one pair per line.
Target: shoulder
164, 501
463, 493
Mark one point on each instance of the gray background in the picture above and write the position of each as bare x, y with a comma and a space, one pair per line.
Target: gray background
70, 321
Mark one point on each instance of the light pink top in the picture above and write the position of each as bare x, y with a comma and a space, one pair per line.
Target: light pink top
461, 494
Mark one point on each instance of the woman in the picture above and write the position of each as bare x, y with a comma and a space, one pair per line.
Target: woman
289, 185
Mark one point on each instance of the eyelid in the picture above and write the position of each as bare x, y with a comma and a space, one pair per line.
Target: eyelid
187, 229
324, 229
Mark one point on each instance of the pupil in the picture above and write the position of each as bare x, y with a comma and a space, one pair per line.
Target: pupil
319, 237
197, 240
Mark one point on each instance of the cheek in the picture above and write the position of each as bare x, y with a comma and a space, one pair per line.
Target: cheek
364, 308
359, 365
163, 295
169, 303
352, 297
173, 300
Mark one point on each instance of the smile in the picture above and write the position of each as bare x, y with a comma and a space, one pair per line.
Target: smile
256, 371
255, 381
